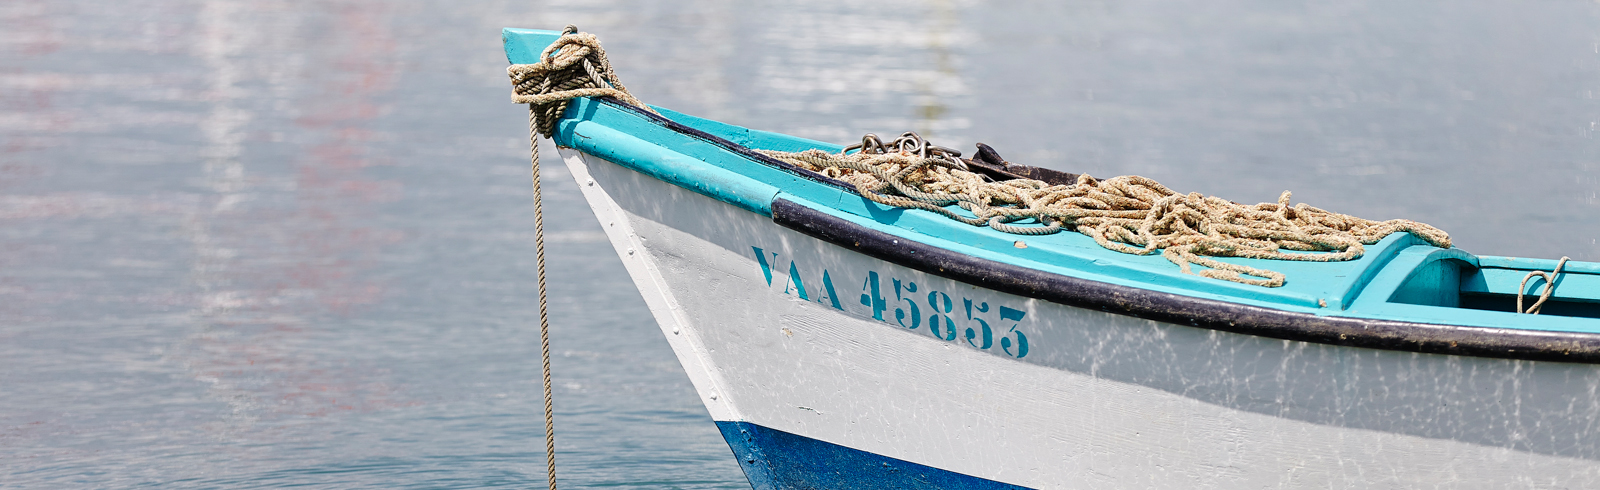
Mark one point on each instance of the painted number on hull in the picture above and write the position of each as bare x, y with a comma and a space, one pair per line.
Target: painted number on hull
969, 324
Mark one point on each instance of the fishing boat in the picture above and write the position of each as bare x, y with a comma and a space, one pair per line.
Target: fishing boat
839, 342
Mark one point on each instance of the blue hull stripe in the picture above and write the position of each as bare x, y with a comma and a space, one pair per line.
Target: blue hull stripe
776, 460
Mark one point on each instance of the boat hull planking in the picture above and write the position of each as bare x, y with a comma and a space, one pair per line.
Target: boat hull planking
820, 351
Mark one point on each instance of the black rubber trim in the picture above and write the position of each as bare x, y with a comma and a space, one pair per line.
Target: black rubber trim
727, 145
1178, 309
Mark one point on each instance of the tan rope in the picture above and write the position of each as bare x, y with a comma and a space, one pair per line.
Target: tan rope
1549, 287
1129, 214
573, 66
544, 314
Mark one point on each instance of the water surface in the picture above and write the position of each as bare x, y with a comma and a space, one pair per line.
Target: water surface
290, 242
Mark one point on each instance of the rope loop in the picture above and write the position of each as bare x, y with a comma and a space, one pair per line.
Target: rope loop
1549, 287
573, 66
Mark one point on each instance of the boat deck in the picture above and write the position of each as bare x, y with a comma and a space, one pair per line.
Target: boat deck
1400, 278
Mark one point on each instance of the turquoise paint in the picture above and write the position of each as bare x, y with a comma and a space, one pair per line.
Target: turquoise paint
1016, 316
908, 305
1066, 260
1571, 286
1337, 281
626, 148
794, 279
939, 320
872, 296
1375, 303
827, 288
523, 46
1359, 288
983, 326
707, 152
1372, 303
1578, 281
1435, 280
1379, 256
766, 267
1441, 278
590, 122
1334, 281
1518, 263
1022, 344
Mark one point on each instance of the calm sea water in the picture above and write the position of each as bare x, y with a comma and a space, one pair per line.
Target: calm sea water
287, 242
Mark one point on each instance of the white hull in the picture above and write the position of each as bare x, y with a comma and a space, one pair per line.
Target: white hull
1100, 400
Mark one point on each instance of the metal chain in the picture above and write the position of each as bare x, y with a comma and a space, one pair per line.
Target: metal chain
909, 143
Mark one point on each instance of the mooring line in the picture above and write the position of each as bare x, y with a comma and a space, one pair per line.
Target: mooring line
573, 66
544, 313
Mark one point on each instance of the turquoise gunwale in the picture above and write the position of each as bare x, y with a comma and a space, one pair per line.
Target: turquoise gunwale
1361, 288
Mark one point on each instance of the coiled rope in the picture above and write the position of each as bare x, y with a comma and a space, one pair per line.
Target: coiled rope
573, 66
1129, 214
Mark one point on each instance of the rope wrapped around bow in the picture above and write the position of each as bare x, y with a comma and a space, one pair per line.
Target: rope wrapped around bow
573, 66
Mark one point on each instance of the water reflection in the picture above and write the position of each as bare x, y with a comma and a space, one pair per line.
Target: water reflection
270, 264
846, 60
269, 242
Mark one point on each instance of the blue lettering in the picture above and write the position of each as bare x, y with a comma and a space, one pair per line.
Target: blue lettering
827, 289
766, 268
872, 297
794, 278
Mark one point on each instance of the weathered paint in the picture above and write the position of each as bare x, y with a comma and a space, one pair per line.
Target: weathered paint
774, 459
676, 153
1101, 400
1431, 284
920, 367
523, 46
692, 152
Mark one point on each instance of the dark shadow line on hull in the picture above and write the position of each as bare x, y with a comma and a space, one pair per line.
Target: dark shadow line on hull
1427, 338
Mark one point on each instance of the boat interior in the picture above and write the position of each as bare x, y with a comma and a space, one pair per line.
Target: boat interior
1461, 280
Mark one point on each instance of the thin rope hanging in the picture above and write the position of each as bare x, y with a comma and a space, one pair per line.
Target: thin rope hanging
573, 66
1129, 214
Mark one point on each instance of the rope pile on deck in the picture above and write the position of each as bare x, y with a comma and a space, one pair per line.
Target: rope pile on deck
1129, 214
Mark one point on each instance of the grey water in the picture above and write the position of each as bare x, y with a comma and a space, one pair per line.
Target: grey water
286, 242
